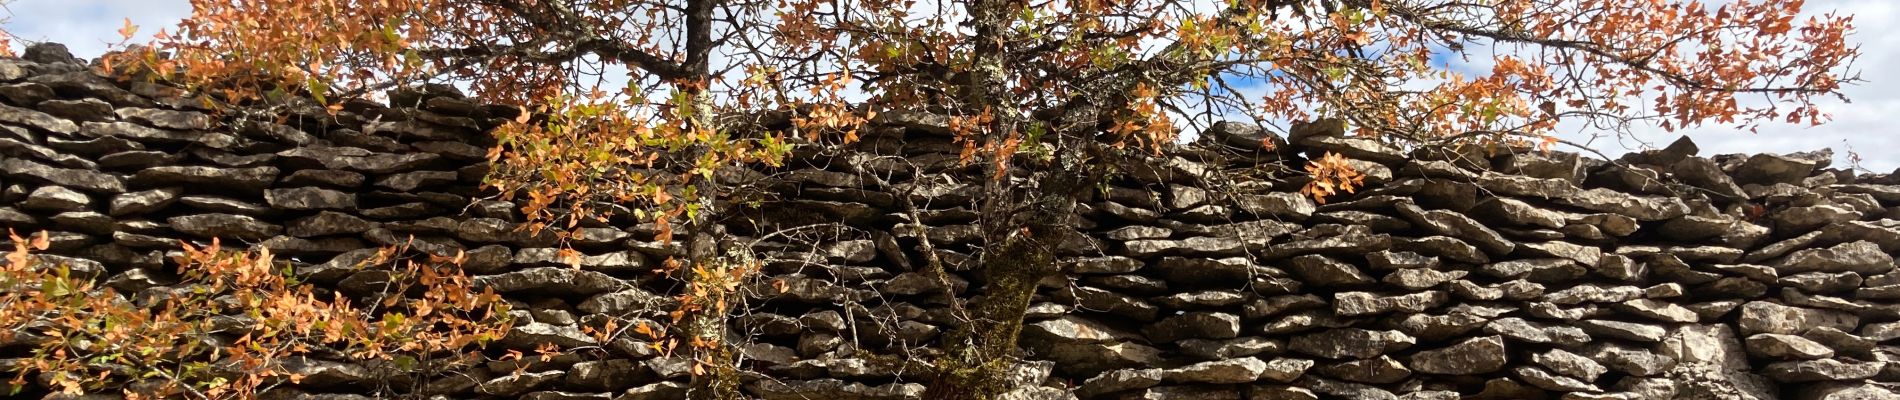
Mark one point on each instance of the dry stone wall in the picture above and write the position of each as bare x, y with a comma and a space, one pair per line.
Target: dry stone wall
1199, 276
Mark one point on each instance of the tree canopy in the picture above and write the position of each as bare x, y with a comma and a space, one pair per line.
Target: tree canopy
1126, 72
641, 102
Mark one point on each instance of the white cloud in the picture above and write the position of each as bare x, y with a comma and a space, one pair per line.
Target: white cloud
1865, 126
87, 27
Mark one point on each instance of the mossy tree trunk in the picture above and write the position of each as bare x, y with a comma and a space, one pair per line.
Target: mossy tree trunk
716, 376
979, 354
1025, 224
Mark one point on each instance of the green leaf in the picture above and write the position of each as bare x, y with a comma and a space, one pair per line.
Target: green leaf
406, 362
390, 37
317, 89
391, 322
682, 104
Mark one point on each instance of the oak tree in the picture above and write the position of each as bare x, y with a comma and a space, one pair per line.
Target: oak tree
643, 102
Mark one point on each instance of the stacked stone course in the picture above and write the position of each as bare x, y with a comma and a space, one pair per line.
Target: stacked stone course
1200, 275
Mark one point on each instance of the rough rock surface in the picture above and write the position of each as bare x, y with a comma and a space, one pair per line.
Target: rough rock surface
1511, 275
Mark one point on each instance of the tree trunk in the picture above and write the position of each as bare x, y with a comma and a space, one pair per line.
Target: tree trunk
717, 377
979, 354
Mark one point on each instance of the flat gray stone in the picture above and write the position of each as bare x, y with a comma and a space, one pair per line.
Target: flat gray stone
1787, 347
1570, 364
1471, 356
245, 179
1239, 370
227, 226
310, 198
87, 180
1862, 257
56, 198
1350, 343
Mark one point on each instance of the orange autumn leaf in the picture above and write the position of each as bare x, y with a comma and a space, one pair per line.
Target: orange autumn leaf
126, 31
1331, 174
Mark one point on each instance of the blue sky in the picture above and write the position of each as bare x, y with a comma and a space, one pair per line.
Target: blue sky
1866, 126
